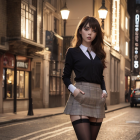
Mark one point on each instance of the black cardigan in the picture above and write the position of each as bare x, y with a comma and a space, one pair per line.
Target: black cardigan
85, 69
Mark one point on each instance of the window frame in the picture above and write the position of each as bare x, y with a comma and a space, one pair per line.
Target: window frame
126, 48
28, 16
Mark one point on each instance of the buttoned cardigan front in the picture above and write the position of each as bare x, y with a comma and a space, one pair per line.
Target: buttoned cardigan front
85, 69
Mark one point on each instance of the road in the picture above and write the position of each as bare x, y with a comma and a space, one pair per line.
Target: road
122, 124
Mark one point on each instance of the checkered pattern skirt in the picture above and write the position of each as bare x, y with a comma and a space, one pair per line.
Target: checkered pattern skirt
90, 104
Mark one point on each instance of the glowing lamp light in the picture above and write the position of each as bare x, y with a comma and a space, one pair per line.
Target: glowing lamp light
102, 12
65, 12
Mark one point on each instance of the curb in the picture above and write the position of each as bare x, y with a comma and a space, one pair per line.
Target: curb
39, 117
117, 109
27, 119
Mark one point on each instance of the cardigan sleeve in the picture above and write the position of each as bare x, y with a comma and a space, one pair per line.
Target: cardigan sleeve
67, 70
103, 87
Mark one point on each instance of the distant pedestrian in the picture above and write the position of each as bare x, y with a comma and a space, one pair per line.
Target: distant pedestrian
88, 95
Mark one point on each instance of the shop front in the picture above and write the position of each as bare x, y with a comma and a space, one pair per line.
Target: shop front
22, 64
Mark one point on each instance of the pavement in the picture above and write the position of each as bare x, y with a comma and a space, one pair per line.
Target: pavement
46, 112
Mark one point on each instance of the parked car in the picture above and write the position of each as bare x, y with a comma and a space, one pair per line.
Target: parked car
135, 97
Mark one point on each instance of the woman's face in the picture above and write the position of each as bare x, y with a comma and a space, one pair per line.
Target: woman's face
88, 34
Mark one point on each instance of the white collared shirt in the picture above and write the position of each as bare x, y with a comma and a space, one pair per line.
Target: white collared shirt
71, 87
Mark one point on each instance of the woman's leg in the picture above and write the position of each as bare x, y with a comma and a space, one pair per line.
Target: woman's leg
95, 124
81, 125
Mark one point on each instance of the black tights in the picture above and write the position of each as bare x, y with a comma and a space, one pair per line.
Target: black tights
86, 130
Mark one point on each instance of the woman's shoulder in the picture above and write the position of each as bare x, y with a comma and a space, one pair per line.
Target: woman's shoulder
73, 49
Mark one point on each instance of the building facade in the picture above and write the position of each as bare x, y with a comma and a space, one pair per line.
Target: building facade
21, 37
134, 11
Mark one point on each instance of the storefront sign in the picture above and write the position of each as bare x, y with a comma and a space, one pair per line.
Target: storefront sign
136, 62
8, 60
22, 65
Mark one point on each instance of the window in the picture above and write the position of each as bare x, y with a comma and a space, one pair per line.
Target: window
53, 3
22, 84
56, 25
122, 17
126, 23
114, 77
126, 49
115, 24
9, 83
27, 22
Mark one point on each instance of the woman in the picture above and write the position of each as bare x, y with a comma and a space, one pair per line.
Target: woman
87, 97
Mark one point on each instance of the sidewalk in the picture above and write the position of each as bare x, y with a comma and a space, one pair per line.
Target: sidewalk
46, 112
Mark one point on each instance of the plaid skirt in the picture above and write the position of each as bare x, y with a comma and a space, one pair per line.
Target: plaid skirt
90, 104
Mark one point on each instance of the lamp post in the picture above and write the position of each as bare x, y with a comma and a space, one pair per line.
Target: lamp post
103, 13
65, 14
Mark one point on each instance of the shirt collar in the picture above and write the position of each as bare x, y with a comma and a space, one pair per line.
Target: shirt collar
84, 49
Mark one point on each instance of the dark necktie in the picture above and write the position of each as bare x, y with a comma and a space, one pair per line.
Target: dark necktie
90, 55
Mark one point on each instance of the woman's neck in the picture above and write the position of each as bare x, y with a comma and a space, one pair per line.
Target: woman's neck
88, 45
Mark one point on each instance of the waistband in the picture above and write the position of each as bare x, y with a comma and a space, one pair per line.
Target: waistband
88, 84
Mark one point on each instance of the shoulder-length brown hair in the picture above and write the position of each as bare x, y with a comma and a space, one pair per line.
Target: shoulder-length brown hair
97, 43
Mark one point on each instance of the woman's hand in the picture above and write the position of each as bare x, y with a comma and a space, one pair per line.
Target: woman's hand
104, 95
76, 91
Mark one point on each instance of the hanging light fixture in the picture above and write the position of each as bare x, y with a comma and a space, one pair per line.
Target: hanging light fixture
103, 12
65, 12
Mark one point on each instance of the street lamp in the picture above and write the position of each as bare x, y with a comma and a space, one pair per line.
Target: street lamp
103, 13
65, 14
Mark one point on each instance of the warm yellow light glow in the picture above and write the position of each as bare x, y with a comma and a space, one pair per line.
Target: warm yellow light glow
126, 50
126, 23
9, 81
65, 14
27, 34
115, 24
102, 13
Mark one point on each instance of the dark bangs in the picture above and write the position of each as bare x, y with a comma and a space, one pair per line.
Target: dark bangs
93, 23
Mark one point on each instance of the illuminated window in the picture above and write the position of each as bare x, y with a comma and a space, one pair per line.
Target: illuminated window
22, 84
126, 49
122, 17
9, 83
27, 22
126, 23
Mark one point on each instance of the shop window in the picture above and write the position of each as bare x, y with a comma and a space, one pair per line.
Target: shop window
22, 84
27, 22
10, 83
